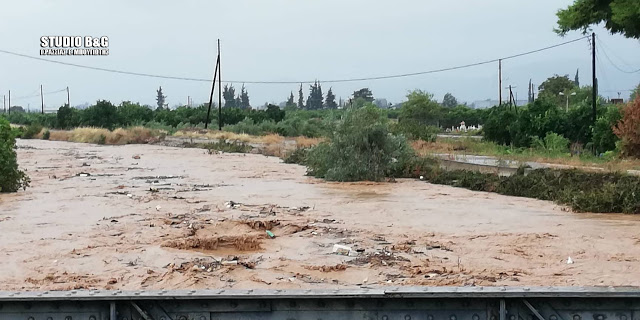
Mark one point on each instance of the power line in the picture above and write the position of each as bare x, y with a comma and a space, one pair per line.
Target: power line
295, 82
38, 94
601, 49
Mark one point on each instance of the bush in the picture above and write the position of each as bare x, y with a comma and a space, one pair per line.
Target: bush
46, 135
11, 179
604, 139
298, 156
582, 191
628, 129
362, 148
31, 131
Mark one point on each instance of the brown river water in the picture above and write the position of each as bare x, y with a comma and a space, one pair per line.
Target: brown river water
156, 217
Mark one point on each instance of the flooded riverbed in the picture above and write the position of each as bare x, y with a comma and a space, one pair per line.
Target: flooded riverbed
147, 216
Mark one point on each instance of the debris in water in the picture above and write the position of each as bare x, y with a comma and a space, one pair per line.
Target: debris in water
158, 208
341, 250
136, 157
83, 174
569, 261
270, 234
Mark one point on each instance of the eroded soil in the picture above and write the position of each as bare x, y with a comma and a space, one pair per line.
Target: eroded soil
157, 217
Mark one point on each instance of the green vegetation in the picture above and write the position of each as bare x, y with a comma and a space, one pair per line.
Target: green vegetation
361, 148
11, 178
619, 16
223, 146
582, 191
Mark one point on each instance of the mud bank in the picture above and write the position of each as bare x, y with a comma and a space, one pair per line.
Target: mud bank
157, 217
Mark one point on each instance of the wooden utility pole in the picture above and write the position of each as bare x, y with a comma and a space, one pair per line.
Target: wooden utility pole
500, 82
219, 89
9, 101
594, 78
41, 99
213, 87
68, 98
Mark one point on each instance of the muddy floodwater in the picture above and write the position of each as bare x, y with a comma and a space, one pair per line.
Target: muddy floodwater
157, 217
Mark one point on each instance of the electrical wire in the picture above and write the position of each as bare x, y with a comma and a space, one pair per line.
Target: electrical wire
295, 82
38, 94
600, 48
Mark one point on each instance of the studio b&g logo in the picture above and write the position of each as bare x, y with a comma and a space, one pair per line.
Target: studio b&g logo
74, 46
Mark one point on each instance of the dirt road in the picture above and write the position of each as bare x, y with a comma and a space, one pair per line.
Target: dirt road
155, 217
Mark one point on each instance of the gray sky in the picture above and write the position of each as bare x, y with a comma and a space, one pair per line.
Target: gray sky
293, 40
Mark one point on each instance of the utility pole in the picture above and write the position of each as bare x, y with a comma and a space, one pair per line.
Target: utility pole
41, 99
500, 81
68, 98
213, 87
219, 89
9, 101
594, 78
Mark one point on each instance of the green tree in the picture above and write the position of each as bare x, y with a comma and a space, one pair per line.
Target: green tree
133, 113
244, 99
11, 179
619, 16
314, 102
300, 98
418, 115
363, 93
103, 114
449, 101
229, 95
576, 80
290, 102
160, 98
274, 113
65, 117
330, 101
552, 87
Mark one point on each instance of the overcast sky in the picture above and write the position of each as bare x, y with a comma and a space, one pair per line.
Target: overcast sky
294, 40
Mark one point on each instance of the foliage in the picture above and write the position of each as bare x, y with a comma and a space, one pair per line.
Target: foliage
552, 87
363, 93
635, 93
619, 16
300, 98
297, 156
553, 143
32, 131
582, 191
603, 137
314, 102
46, 135
449, 101
11, 178
160, 98
229, 95
290, 102
362, 148
102, 114
330, 101
417, 114
452, 117
244, 98
628, 129
248, 126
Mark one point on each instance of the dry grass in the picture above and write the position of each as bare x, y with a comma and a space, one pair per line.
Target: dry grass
270, 139
103, 136
304, 142
214, 135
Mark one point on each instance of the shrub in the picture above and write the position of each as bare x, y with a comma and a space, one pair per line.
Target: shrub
223, 146
628, 129
362, 148
603, 137
46, 135
32, 131
11, 179
298, 156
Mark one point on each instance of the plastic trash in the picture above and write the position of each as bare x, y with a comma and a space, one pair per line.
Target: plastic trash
341, 250
270, 234
569, 261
